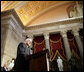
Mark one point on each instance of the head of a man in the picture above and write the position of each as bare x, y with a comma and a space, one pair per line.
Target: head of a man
28, 41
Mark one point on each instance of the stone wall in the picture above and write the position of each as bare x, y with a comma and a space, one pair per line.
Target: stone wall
3, 40
11, 36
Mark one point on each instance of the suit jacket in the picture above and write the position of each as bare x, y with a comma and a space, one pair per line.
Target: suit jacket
21, 62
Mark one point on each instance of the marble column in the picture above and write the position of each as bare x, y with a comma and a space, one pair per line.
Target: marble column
66, 44
46, 37
31, 51
78, 40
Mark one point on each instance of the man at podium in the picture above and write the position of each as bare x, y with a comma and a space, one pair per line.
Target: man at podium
23, 50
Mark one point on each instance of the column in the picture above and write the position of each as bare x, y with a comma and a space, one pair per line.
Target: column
31, 51
46, 37
78, 40
66, 44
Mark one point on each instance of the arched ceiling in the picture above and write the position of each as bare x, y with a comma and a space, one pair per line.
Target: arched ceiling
29, 10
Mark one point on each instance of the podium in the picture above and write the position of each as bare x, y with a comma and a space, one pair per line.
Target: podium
38, 61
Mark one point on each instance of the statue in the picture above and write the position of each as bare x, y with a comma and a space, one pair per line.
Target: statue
79, 9
60, 64
73, 13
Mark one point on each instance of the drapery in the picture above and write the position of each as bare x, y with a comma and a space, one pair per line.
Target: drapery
73, 44
39, 44
56, 47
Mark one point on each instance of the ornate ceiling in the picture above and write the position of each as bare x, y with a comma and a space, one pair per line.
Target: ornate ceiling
28, 10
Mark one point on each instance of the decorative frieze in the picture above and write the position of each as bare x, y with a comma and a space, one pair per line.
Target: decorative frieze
63, 22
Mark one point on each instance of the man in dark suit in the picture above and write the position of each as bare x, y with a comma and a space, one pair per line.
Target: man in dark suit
21, 64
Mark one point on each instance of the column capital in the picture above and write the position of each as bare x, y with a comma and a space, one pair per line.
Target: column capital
64, 33
75, 32
46, 35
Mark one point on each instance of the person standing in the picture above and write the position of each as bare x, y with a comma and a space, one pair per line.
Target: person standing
4, 68
23, 51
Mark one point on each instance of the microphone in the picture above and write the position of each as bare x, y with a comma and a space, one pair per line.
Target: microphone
32, 48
